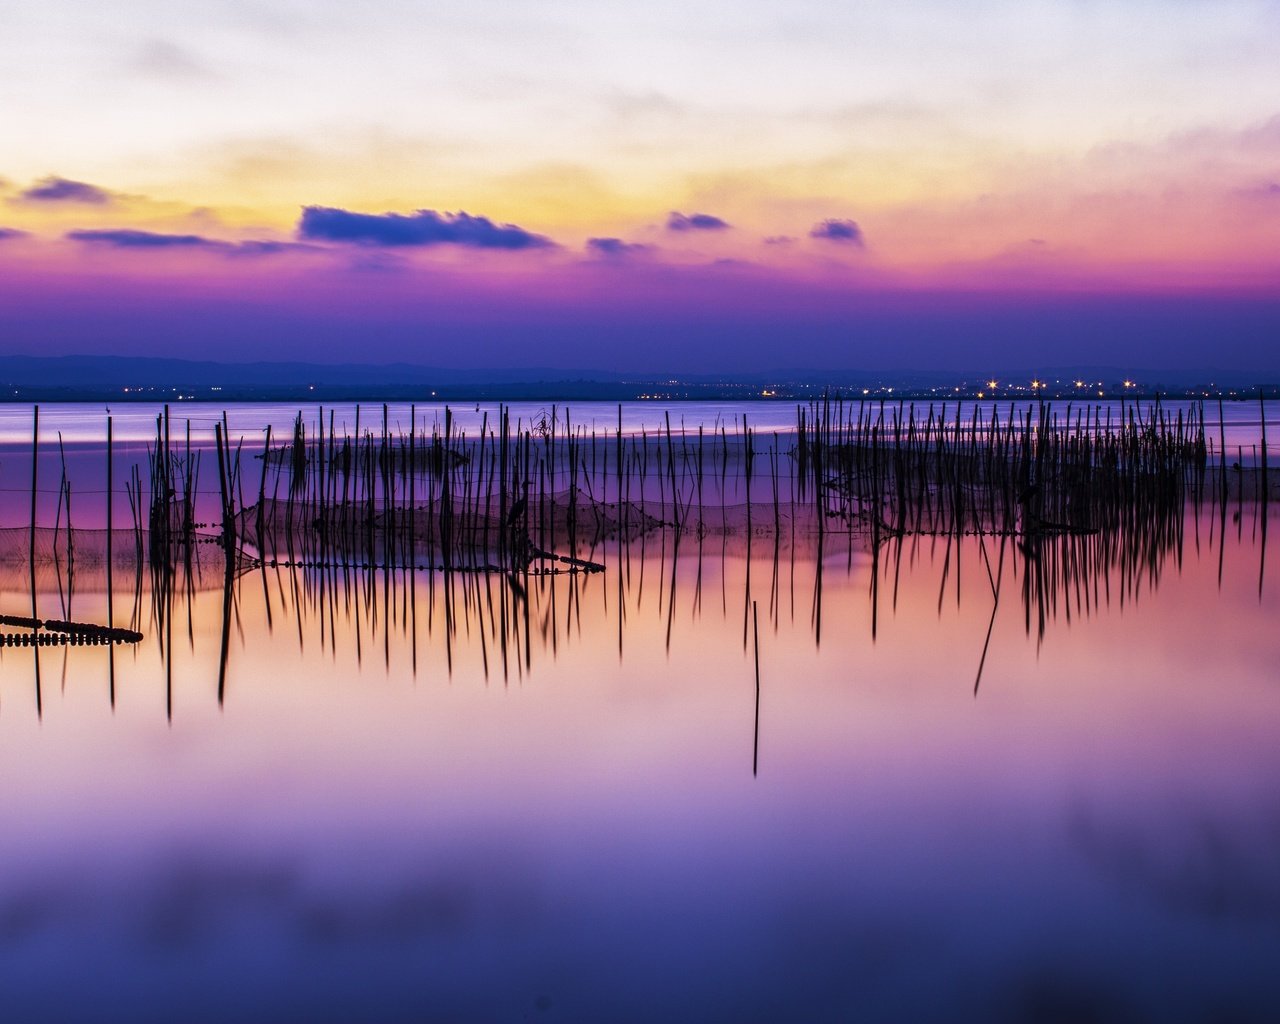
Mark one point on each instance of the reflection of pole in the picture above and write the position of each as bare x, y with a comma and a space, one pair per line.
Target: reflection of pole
35, 467
1266, 496
167, 570
755, 748
226, 630
111, 618
35, 464
995, 607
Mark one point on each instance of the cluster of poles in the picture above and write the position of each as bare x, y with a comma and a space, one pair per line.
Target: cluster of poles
543, 494
1070, 494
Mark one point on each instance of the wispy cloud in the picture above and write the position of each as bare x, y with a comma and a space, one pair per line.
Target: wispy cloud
63, 190
8, 234
421, 228
129, 238
616, 248
834, 229
257, 247
695, 222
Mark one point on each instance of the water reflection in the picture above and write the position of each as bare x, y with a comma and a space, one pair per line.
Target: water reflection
501, 624
738, 775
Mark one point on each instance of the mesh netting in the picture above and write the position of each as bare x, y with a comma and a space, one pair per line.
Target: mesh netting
82, 555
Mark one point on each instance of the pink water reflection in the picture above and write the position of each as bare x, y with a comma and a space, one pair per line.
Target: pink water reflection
382, 821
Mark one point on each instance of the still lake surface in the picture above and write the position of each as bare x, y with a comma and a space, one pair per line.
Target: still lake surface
409, 795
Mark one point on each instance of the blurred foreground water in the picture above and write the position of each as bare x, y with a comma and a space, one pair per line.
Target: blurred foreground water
978, 780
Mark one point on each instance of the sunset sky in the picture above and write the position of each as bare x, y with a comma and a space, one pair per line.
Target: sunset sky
669, 186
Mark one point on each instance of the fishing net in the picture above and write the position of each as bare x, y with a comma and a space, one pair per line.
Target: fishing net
78, 557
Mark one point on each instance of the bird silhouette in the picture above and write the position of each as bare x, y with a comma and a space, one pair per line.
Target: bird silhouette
517, 511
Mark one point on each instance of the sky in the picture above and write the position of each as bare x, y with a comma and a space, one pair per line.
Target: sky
694, 185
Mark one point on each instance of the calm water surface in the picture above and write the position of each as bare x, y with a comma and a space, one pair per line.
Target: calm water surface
136, 421
421, 798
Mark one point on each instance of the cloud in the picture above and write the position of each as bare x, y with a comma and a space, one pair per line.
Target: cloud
9, 234
271, 248
63, 190
833, 229
126, 238
421, 228
129, 238
616, 248
695, 222
779, 240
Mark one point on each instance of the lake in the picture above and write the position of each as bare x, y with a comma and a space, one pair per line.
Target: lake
746, 755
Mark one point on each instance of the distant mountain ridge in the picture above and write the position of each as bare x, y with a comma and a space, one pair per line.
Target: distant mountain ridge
98, 377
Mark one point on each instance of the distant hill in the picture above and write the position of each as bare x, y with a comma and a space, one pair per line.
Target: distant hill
27, 378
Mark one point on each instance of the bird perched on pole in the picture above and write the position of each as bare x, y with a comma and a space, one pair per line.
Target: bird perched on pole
519, 508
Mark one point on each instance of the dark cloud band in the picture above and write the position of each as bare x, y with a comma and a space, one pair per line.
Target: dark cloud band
833, 229
615, 248
127, 238
63, 190
677, 221
421, 228
130, 239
